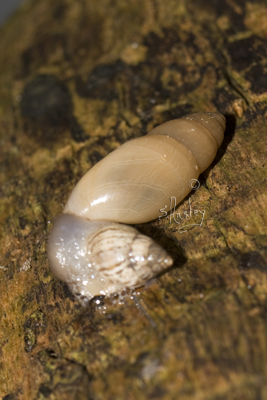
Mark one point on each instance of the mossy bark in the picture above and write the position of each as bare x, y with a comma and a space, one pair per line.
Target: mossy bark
77, 79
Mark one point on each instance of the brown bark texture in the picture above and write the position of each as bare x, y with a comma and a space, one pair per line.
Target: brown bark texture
77, 79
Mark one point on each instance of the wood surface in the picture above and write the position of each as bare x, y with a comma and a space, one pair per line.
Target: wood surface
77, 79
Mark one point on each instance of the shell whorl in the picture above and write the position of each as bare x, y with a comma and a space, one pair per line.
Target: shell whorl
88, 247
201, 133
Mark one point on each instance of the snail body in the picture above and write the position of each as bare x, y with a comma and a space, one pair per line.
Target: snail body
89, 247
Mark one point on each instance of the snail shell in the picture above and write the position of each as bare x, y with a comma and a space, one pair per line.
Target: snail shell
101, 257
88, 247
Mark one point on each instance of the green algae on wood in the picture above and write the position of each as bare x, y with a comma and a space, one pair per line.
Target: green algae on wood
198, 331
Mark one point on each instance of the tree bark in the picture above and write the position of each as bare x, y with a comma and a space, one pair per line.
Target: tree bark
79, 78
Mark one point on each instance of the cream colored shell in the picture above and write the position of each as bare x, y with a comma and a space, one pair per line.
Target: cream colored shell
95, 255
131, 183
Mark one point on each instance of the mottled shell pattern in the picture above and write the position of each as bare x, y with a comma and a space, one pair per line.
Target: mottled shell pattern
89, 248
102, 257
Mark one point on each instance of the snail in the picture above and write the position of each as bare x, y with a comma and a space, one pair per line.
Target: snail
89, 246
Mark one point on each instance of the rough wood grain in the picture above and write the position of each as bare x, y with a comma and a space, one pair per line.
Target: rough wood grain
78, 78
